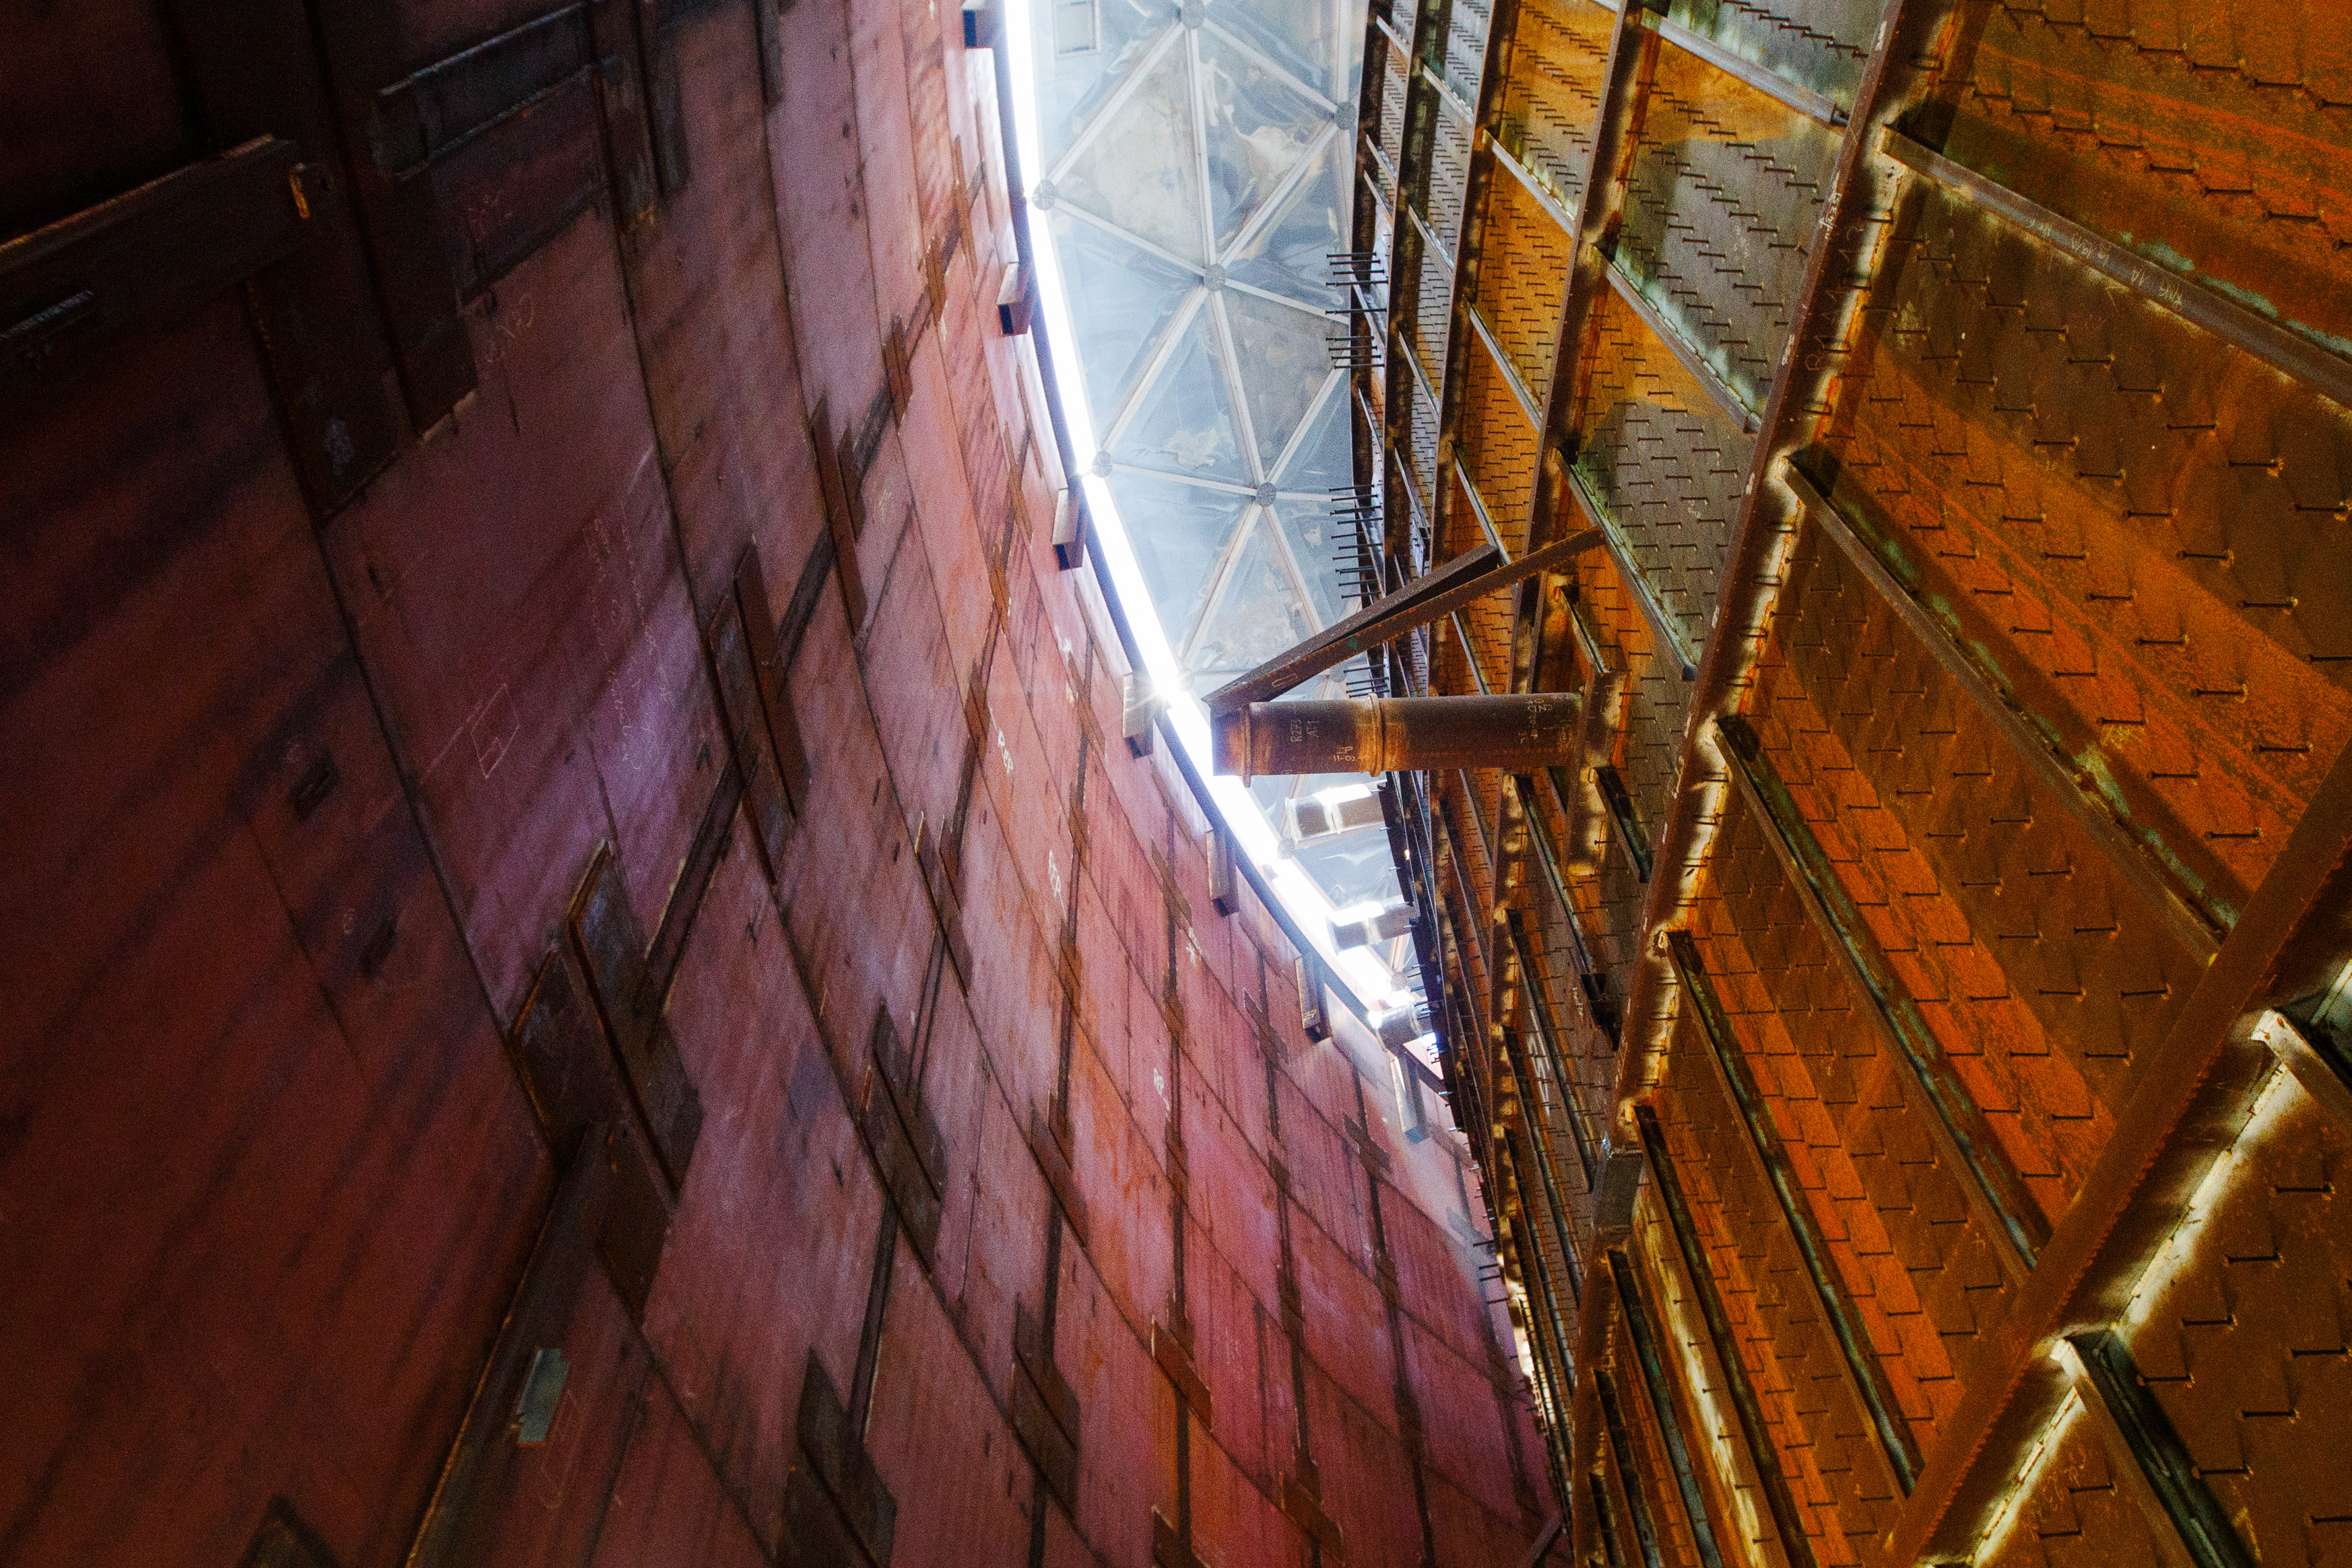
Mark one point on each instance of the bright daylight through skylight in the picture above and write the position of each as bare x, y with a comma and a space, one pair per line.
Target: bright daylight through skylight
1188, 173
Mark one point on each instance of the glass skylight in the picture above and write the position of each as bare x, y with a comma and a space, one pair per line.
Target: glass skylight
1188, 171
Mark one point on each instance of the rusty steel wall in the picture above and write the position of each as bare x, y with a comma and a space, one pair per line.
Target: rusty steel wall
589, 975
1921, 1017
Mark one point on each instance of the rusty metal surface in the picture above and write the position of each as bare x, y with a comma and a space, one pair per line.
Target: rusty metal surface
1388, 734
2038, 634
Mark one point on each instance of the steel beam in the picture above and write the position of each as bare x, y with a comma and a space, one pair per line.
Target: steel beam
1468, 577
2191, 1527
1652, 1364
1662, 630
1803, 100
1779, 1499
1718, 391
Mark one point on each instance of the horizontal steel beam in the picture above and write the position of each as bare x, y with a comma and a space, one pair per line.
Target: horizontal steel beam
144, 257
1430, 237
1519, 392
1529, 183
2179, 1119
1469, 576
2317, 1065
1662, 630
1446, 94
1479, 511
1803, 100
1788, 1520
1651, 1360
2149, 1457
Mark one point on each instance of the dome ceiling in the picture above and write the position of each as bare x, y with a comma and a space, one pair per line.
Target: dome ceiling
1195, 167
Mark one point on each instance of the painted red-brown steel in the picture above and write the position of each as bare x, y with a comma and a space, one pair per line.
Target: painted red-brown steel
297, 807
248, 1061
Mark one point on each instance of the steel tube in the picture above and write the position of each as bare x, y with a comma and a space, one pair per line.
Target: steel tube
1393, 735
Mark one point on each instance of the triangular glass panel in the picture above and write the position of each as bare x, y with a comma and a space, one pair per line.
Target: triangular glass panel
1259, 129
1283, 365
1321, 461
1185, 423
1121, 300
1352, 869
1289, 257
1324, 548
1141, 171
1258, 617
1299, 35
1177, 533
1082, 51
